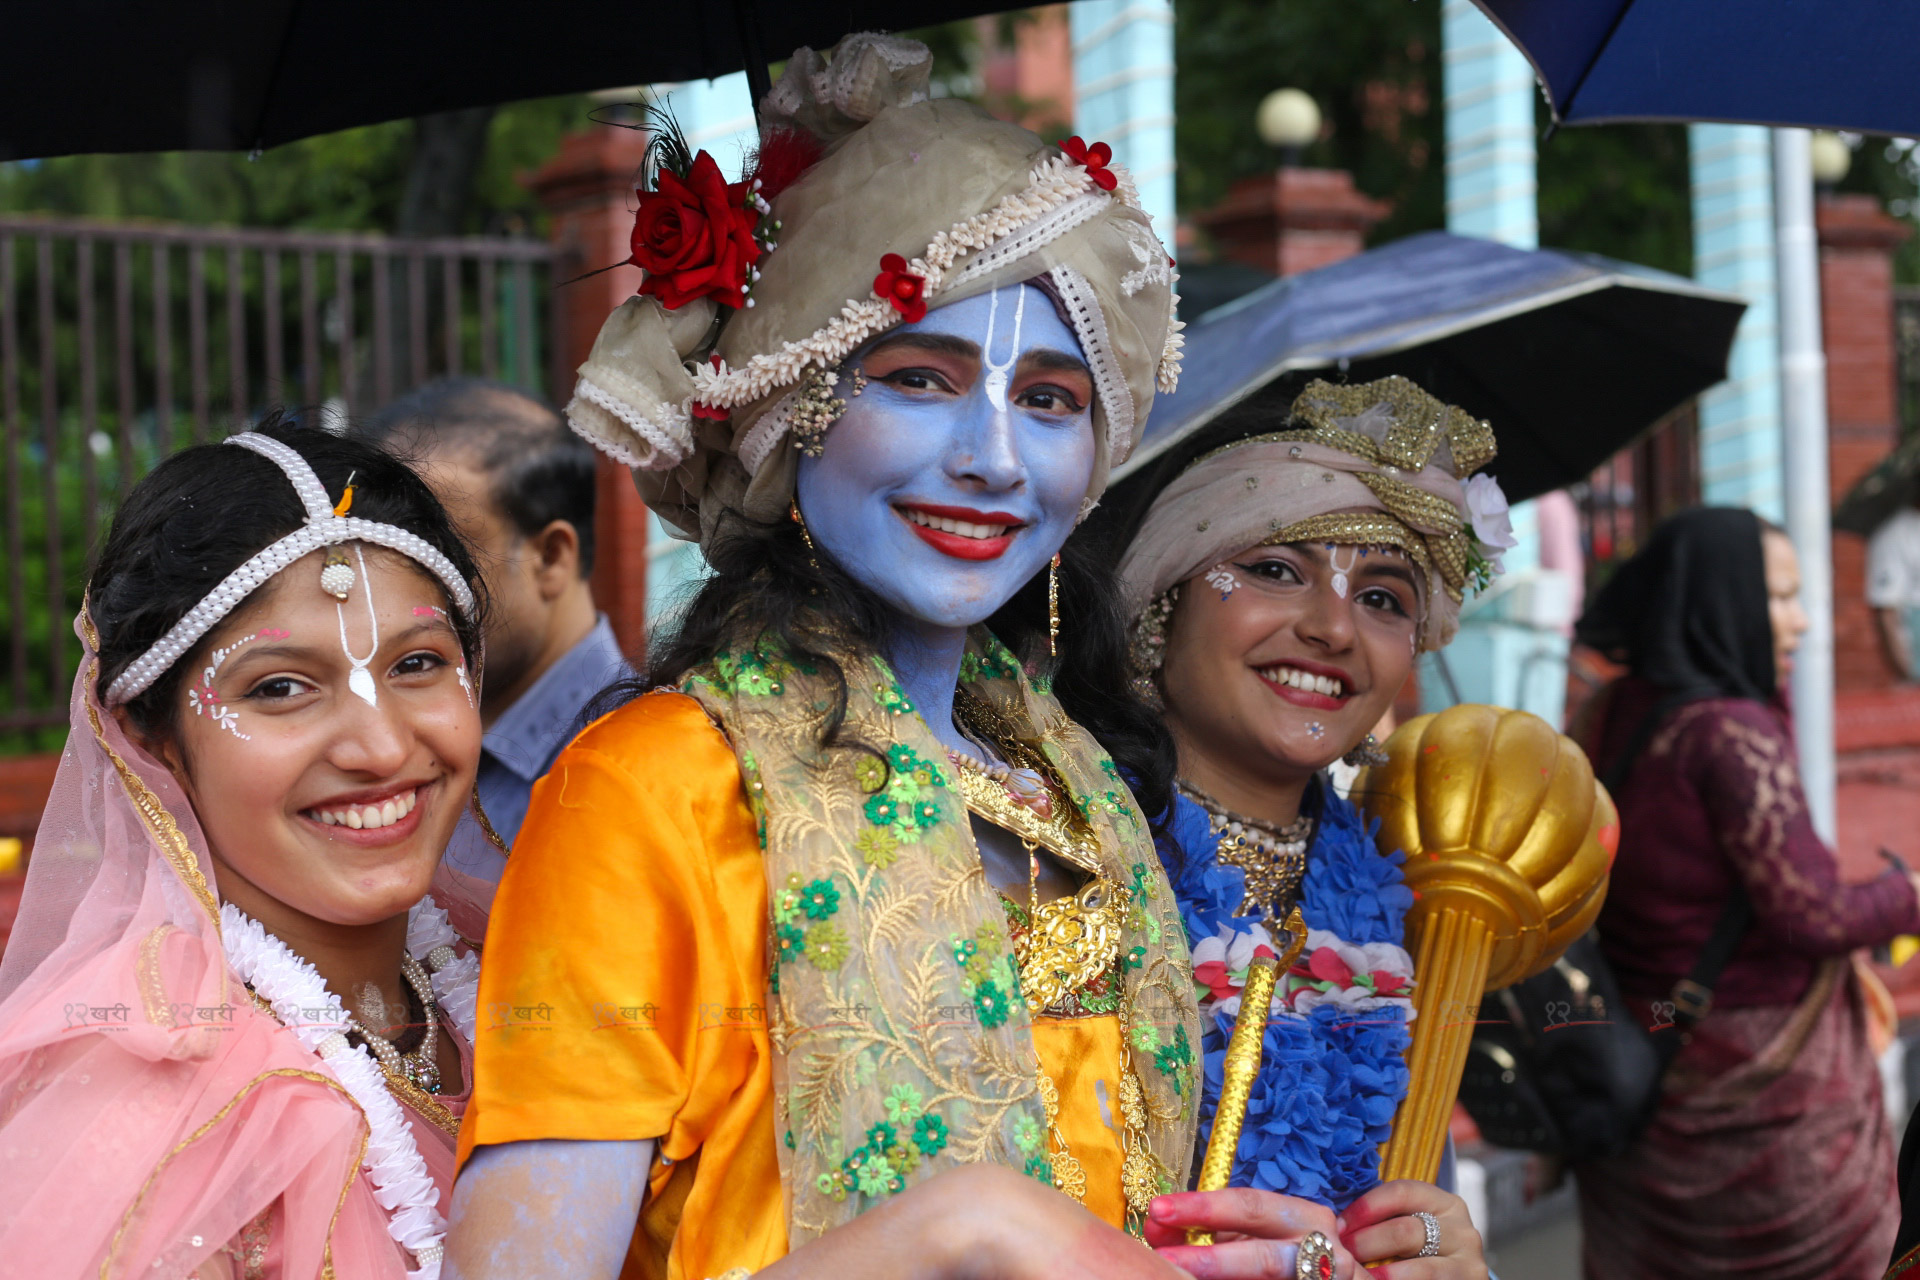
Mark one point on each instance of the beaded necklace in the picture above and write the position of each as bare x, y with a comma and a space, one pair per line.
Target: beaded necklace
1272, 858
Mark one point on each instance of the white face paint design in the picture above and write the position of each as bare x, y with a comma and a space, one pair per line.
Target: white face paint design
1317, 729
1341, 571
1221, 579
360, 681
999, 372
203, 698
435, 611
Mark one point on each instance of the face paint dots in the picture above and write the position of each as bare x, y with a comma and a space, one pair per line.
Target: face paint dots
203, 698
1316, 729
1221, 579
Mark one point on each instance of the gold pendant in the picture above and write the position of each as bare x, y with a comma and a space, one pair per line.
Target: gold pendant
1073, 940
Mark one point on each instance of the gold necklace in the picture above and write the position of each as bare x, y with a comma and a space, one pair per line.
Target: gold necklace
1273, 859
1072, 939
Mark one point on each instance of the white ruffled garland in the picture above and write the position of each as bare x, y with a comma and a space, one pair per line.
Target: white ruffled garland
401, 1183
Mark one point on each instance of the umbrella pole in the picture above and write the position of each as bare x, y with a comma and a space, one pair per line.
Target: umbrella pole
754, 50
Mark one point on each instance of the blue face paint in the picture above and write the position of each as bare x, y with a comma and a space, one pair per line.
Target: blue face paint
958, 473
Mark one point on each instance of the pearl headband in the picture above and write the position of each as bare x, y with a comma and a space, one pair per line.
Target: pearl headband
322, 529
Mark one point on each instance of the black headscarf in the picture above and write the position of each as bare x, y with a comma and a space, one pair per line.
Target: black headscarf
1688, 614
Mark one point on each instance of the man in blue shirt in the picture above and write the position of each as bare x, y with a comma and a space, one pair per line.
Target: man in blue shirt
519, 485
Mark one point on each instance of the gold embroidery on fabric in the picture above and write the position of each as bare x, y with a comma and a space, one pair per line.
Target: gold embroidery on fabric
166, 832
126, 1219
902, 1046
153, 987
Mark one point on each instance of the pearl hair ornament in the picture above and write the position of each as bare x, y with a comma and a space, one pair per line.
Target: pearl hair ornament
323, 528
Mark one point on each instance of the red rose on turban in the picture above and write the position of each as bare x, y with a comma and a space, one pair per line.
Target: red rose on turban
693, 236
905, 290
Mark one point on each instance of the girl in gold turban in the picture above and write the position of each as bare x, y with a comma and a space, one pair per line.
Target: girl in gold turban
1285, 568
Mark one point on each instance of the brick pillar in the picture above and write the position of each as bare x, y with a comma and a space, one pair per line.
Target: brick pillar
1031, 80
1857, 240
1292, 220
587, 189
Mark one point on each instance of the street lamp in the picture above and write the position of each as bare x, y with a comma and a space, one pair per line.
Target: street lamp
1288, 119
1831, 158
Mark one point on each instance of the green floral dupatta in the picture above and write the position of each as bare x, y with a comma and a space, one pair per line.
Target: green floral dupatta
901, 1043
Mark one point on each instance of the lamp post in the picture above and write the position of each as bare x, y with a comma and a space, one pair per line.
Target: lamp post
1287, 120
1830, 156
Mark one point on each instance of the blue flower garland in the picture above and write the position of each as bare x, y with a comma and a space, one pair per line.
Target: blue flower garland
1329, 1083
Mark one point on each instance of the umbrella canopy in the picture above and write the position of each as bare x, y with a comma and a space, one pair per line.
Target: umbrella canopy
235, 75
1837, 64
1882, 492
1568, 355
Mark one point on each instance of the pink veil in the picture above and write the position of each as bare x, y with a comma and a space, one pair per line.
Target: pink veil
149, 1111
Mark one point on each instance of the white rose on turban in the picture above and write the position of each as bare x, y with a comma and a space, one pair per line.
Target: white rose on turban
1492, 526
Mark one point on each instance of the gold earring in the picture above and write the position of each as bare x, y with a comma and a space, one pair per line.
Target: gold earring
793, 510
1053, 606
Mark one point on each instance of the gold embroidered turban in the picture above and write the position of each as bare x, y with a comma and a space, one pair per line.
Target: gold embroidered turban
1379, 464
956, 203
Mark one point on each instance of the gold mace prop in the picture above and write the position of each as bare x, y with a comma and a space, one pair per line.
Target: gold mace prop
1509, 840
1242, 1063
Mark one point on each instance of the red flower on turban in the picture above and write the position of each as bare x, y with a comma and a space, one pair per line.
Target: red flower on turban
693, 236
905, 290
1096, 158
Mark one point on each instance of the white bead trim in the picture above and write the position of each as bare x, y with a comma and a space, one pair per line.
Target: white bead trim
323, 529
592, 405
1042, 231
1054, 182
1090, 326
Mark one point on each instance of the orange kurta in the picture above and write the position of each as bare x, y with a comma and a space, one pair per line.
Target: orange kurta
623, 994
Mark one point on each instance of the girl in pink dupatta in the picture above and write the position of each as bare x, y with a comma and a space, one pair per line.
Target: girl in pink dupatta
234, 1027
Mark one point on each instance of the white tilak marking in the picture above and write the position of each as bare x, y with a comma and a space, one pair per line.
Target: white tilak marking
360, 681
1221, 579
998, 374
1340, 571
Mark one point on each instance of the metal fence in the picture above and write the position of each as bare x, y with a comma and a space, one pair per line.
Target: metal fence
122, 342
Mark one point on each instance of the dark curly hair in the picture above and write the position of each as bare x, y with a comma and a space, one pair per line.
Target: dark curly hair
205, 511
766, 582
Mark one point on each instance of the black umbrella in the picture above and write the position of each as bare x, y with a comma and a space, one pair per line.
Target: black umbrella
1879, 495
1570, 356
236, 75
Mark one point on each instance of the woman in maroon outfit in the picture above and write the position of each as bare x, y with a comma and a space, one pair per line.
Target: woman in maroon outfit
1770, 1153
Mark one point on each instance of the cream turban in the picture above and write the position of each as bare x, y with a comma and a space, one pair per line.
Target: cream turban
970, 203
1379, 464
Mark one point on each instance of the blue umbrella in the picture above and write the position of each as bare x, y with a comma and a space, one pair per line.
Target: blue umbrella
1570, 356
1836, 64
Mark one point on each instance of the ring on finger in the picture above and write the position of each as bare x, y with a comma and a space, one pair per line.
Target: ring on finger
1313, 1260
1431, 1249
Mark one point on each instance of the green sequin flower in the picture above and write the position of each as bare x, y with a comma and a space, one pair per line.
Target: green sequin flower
1040, 1169
882, 810
789, 941
878, 847
876, 1176
820, 899
930, 1133
881, 1136
991, 1004
826, 946
869, 773
904, 1104
1146, 1037
1026, 1133
1174, 1058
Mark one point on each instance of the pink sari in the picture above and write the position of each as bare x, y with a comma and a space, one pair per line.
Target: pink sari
154, 1121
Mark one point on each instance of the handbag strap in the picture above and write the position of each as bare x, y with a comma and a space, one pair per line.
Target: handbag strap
1692, 995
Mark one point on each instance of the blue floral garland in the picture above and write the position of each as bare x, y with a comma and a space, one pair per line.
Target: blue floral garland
1329, 1083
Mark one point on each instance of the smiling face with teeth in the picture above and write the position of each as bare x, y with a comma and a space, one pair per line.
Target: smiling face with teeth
1249, 674
332, 809
959, 471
